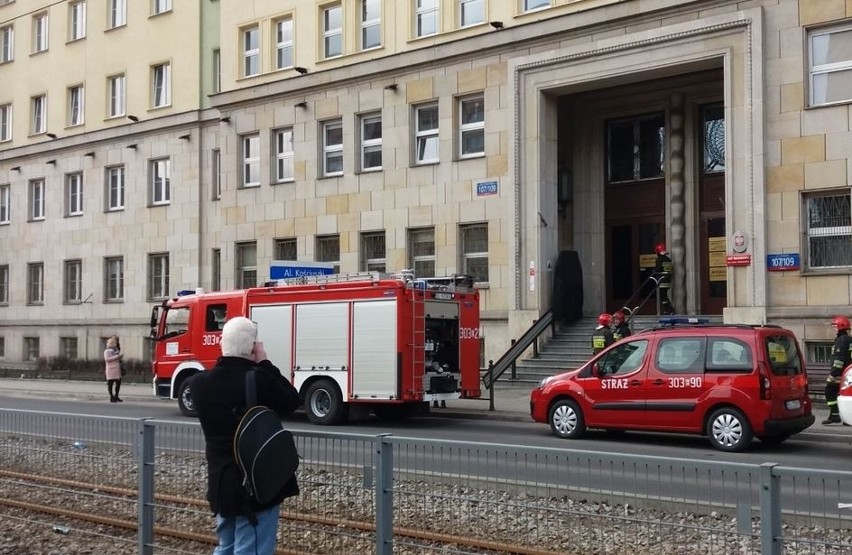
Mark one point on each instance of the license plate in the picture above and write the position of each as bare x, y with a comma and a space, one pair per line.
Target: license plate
793, 404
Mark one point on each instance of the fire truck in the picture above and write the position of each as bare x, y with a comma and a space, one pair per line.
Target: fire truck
366, 342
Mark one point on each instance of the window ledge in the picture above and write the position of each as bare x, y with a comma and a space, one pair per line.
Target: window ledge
482, 285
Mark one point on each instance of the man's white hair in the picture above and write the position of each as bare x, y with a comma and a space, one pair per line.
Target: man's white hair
238, 337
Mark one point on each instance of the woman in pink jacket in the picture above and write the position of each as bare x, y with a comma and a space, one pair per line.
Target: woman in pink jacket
112, 358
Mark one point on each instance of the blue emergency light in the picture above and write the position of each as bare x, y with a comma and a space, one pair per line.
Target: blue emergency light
674, 320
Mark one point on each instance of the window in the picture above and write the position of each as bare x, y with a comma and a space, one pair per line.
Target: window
35, 283
783, 355
68, 347
426, 134
160, 171
681, 355
161, 85
624, 359
115, 188
215, 317
77, 20
76, 105
474, 245
117, 87
39, 112
73, 282
251, 51
31, 349
216, 170
113, 279
7, 44
74, 194
636, 148
328, 250
284, 43
332, 18
371, 142
471, 12
161, 6
5, 204
535, 4
830, 65
373, 252
251, 160
4, 284
427, 17
371, 24
40, 32
246, 265
2, 347
217, 70
471, 127
36, 199
713, 139
332, 148
216, 270
828, 235
117, 13
158, 276
284, 155
728, 355
5, 122
421, 252
285, 249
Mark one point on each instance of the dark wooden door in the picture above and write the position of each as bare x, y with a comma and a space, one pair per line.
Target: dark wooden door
712, 239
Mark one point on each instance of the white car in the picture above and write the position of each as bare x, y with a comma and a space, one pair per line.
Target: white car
844, 399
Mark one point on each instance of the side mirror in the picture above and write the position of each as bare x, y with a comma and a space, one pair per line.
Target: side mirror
596, 370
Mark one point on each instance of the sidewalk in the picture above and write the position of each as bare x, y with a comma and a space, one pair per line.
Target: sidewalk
511, 403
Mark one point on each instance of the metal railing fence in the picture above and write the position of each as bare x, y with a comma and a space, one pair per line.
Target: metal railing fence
390, 494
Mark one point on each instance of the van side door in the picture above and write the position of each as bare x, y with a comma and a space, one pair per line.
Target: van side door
615, 396
676, 383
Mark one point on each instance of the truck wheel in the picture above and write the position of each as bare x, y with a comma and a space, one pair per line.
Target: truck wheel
566, 419
187, 407
324, 403
729, 430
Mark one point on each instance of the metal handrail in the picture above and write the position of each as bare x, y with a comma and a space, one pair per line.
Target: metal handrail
656, 279
495, 370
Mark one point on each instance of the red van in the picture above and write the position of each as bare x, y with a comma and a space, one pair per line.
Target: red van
729, 382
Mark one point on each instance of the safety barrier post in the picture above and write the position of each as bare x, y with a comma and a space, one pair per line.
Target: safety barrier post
384, 495
535, 343
491, 389
145, 480
770, 511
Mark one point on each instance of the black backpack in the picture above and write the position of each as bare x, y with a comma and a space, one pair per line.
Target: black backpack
264, 450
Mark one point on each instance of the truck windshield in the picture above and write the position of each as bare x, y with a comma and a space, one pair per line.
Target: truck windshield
177, 320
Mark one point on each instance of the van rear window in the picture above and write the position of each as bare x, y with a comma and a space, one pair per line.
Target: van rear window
783, 355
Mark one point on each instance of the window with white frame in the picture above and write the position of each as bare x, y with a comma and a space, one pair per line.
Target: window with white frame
74, 194
427, 17
530, 5
371, 24
5, 204
216, 269
830, 65
5, 122
161, 85
4, 284
113, 278
38, 124
426, 133
7, 43
285, 249
332, 31
158, 276
373, 258
217, 70
828, 229
421, 251
246, 270
117, 13
284, 155
77, 20
161, 6
471, 127
251, 51
117, 88
474, 251
35, 283
72, 290
160, 171
36, 199
371, 142
471, 12
216, 171
68, 347
40, 43
76, 105
284, 43
332, 148
251, 160
115, 188
328, 250
31, 349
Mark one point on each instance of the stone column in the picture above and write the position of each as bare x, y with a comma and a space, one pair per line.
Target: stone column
677, 205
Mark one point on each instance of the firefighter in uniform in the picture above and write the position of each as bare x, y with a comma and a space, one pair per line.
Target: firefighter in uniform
622, 329
840, 359
663, 273
602, 336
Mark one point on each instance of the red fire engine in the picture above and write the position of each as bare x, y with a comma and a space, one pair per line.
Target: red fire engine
367, 341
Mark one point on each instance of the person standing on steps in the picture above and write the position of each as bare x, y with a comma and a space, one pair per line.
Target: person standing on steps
663, 272
602, 336
840, 359
112, 368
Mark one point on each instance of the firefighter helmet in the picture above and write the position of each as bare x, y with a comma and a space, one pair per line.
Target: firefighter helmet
660, 248
842, 323
618, 316
604, 319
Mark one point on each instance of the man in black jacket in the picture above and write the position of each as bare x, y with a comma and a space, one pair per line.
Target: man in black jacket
242, 525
